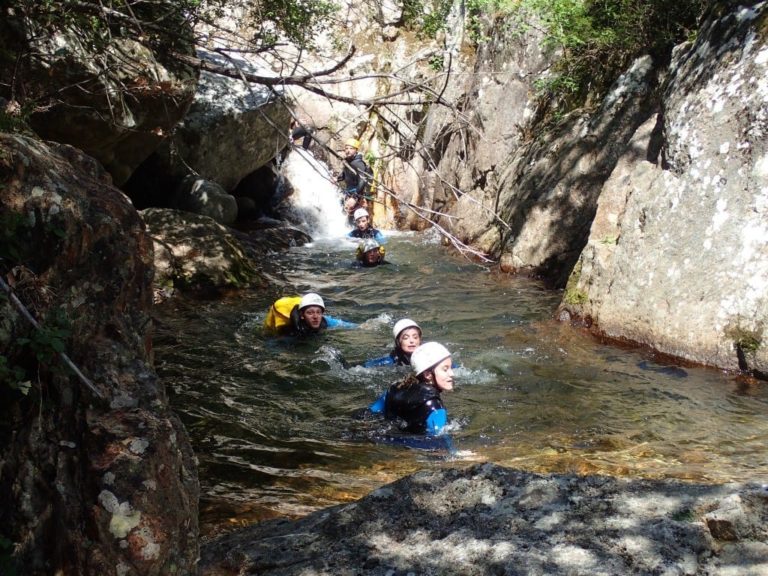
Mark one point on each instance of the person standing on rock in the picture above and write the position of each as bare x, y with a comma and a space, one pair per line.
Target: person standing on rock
354, 178
415, 402
301, 130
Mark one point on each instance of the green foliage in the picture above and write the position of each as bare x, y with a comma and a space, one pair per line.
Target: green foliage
10, 226
598, 39
7, 565
427, 17
298, 21
48, 341
573, 295
437, 62
746, 341
13, 376
171, 24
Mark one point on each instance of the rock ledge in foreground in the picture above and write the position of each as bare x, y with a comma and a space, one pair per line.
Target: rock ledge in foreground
493, 520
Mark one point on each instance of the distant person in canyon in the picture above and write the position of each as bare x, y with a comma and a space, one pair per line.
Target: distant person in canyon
363, 228
370, 253
354, 178
301, 130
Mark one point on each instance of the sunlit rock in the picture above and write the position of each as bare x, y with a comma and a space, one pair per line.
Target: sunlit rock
676, 257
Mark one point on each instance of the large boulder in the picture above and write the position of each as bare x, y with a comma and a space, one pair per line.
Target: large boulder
196, 253
677, 255
98, 473
232, 128
116, 102
468, 150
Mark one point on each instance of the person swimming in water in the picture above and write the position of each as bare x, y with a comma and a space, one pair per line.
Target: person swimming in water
407, 336
370, 253
415, 401
289, 317
363, 228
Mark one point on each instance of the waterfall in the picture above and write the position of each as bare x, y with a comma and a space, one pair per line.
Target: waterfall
315, 200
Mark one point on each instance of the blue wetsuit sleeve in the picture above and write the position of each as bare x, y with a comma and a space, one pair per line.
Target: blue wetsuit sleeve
378, 406
436, 421
383, 361
380, 238
332, 323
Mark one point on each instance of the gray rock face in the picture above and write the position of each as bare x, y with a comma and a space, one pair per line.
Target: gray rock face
493, 520
207, 199
468, 150
232, 128
678, 253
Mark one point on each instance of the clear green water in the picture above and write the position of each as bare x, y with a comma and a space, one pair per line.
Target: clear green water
272, 420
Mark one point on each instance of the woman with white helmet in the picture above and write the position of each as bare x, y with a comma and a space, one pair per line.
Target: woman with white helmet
407, 336
415, 401
363, 228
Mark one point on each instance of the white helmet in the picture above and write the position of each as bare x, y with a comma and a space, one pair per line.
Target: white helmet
311, 299
401, 325
369, 244
427, 356
359, 213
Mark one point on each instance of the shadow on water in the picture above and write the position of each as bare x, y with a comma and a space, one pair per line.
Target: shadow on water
273, 420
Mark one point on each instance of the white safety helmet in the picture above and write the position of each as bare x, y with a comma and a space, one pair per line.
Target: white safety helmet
401, 325
427, 356
311, 299
359, 213
369, 244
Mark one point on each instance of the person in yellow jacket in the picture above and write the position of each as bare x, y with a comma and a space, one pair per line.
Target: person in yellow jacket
301, 316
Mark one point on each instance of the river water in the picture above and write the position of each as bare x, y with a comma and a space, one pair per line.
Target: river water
275, 422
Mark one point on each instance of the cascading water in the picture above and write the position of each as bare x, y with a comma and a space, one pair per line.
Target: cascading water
315, 198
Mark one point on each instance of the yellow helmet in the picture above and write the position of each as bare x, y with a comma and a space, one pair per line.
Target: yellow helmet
352, 142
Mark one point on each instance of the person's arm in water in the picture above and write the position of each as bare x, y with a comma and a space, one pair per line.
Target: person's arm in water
378, 406
383, 361
436, 423
380, 238
333, 323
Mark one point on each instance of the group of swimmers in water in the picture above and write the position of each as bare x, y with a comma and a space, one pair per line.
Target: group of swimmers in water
414, 402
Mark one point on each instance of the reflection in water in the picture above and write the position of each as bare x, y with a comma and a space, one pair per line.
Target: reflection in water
272, 420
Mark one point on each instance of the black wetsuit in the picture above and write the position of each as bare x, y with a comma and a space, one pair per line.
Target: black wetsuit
355, 178
412, 404
303, 132
367, 233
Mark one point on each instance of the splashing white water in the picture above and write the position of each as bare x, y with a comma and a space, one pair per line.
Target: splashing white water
315, 199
